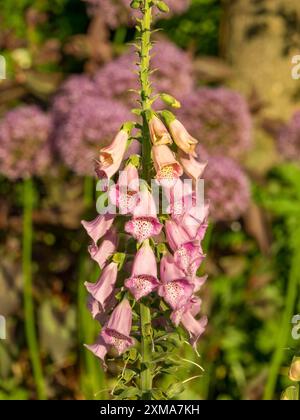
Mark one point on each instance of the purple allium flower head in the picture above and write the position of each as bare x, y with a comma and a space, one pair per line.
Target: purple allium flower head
24, 142
227, 189
70, 93
220, 119
118, 12
174, 73
289, 138
91, 124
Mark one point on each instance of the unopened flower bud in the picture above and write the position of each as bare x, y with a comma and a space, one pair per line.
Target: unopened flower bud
294, 373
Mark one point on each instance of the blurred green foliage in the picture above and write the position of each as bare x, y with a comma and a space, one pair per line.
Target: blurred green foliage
198, 28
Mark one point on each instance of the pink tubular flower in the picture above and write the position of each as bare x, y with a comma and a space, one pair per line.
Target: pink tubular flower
193, 306
192, 167
158, 132
176, 293
111, 156
182, 138
124, 193
194, 222
106, 249
98, 227
144, 223
189, 257
143, 278
103, 289
194, 327
114, 336
168, 170
176, 235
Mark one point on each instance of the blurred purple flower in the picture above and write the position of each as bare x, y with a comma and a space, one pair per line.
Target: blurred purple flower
24, 142
91, 124
70, 93
118, 12
220, 119
227, 189
289, 138
174, 74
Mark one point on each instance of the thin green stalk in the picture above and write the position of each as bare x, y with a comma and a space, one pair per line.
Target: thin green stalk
293, 283
30, 327
145, 315
93, 379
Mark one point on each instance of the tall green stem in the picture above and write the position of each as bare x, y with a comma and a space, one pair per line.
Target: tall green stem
30, 327
293, 283
145, 48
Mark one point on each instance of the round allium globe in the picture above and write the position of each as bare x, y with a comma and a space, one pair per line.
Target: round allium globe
118, 12
70, 93
91, 124
227, 188
220, 119
289, 138
174, 73
24, 142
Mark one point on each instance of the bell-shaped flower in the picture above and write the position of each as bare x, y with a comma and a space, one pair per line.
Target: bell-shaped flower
168, 169
176, 235
115, 336
189, 257
144, 223
194, 327
98, 227
111, 156
106, 249
143, 278
181, 136
116, 333
124, 194
103, 290
192, 167
193, 306
158, 132
175, 288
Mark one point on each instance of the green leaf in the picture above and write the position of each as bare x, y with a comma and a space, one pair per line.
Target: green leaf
175, 389
128, 375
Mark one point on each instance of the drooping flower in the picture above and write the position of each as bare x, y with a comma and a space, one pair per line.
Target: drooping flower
188, 254
98, 227
143, 279
289, 138
220, 119
115, 335
192, 167
180, 135
103, 290
168, 169
124, 194
189, 257
107, 248
175, 288
24, 142
111, 156
90, 124
194, 327
145, 223
227, 189
158, 132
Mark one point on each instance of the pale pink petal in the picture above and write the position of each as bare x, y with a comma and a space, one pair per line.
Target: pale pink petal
98, 227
